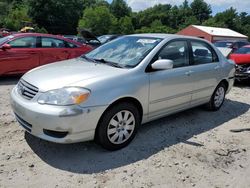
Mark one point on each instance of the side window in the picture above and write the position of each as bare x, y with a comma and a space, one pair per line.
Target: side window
177, 52
70, 45
241, 44
202, 54
52, 43
25, 42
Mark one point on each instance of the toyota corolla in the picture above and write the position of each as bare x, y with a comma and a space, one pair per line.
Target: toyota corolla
108, 93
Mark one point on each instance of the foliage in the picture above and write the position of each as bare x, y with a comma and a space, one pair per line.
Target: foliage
126, 26
119, 9
16, 17
201, 10
58, 17
97, 19
156, 27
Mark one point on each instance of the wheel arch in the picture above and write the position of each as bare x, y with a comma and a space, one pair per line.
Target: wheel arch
132, 100
225, 82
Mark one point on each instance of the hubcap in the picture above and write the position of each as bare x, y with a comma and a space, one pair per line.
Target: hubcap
219, 96
121, 127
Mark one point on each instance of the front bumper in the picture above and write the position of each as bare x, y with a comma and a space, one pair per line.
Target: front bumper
242, 72
61, 124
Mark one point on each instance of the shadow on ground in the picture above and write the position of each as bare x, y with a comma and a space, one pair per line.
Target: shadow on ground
243, 84
9, 80
151, 138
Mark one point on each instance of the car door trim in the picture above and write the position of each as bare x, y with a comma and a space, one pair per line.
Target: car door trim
180, 95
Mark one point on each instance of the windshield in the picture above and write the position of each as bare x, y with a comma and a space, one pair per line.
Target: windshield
4, 39
126, 51
223, 44
243, 50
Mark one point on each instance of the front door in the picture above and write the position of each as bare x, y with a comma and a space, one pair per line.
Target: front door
170, 90
22, 56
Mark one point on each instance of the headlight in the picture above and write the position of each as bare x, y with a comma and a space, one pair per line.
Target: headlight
64, 96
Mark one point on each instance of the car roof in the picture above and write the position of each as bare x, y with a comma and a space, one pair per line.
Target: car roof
45, 35
233, 41
166, 36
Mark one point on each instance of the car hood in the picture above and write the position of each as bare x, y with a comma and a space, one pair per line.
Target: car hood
240, 58
88, 35
68, 73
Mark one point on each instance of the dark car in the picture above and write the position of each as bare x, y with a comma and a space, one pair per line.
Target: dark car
90, 38
24, 51
233, 44
106, 38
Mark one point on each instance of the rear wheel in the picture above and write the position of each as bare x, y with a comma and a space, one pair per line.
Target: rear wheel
217, 98
118, 126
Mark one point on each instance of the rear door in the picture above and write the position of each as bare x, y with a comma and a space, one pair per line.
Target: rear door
22, 56
205, 71
52, 50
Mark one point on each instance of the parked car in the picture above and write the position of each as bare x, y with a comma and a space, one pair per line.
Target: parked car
108, 93
90, 38
76, 38
4, 32
233, 44
106, 38
242, 58
22, 52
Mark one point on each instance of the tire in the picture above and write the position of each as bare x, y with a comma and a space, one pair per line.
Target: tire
217, 99
118, 126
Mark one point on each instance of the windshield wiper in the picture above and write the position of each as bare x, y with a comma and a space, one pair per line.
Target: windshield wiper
109, 63
88, 59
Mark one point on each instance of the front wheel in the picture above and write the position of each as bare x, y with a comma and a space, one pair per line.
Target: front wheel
118, 126
217, 98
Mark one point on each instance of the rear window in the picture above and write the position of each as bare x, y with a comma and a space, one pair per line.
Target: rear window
4, 39
223, 44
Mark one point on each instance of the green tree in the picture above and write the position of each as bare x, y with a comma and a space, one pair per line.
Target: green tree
156, 27
119, 8
228, 18
157, 12
126, 26
96, 19
201, 10
16, 17
57, 17
212, 22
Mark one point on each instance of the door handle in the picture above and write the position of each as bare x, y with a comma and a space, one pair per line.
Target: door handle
32, 52
217, 67
188, 73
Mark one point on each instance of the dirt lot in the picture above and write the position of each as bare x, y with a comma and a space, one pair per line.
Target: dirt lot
195, 148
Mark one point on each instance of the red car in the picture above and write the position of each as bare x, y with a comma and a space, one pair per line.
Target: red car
24, 51
242, 58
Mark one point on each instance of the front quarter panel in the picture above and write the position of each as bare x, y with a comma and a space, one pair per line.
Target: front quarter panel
108, 89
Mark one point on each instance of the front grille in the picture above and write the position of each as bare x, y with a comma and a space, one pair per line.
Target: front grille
27, 90
23, 123
243, 68
55, 134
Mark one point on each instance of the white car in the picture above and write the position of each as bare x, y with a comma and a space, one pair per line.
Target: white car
109, 92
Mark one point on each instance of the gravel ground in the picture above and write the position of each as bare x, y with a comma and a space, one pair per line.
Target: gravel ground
195, 148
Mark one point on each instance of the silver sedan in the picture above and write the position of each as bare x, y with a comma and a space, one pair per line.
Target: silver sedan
106, 94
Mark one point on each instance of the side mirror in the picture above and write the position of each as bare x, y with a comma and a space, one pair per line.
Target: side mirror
162, 64
6, 47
